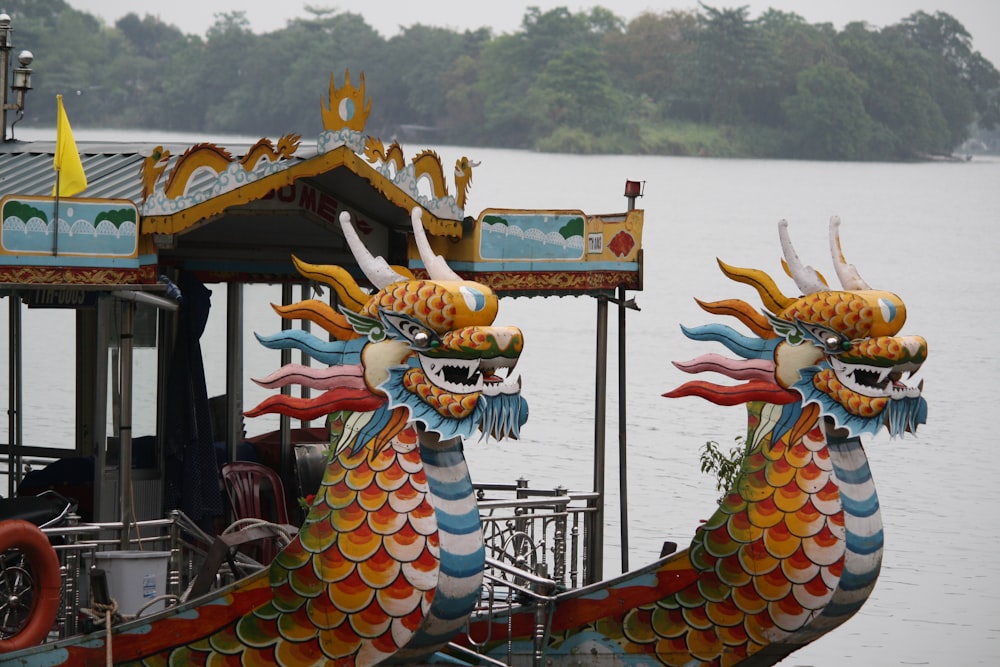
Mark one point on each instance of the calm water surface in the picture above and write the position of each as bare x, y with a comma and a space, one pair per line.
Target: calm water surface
928, 232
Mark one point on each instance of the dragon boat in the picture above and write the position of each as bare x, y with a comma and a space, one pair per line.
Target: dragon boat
399, 556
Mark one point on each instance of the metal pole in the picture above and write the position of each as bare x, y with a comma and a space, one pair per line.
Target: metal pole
125, 423
14, 385
595, 551
286, 422
55, 221
234, 367
304, 358
18, 390
622, 429
5, 47
623, 413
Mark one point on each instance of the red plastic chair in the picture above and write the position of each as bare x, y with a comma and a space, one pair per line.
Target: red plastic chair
256, 492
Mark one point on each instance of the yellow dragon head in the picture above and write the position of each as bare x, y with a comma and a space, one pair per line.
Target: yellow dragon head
428, 346
831, 353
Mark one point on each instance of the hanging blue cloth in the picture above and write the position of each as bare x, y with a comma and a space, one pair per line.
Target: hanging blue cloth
191, 471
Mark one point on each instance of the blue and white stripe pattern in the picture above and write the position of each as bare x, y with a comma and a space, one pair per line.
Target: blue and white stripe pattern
463, 555
864, 539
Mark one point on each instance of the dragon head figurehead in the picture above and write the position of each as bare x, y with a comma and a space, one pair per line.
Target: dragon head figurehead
428, 347
433, 347
828, 353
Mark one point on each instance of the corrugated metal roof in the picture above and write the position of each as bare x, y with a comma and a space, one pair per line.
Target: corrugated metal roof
113, 169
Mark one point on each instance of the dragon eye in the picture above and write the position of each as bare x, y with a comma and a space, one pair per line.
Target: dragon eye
423, 339
418, 334
888, 309
474, 299
832, 342
835, 343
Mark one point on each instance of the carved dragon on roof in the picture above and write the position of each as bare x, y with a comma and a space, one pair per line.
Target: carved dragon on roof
208, 157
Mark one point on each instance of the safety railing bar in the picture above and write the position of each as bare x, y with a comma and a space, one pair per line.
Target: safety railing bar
553, 499
479, 657
549, 584
560, 502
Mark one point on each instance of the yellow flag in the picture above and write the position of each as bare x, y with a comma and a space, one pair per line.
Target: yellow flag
71, 178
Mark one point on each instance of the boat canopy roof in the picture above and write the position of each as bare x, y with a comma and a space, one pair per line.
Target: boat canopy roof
239, 213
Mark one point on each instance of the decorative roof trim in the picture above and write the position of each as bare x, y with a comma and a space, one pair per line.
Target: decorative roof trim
342, 156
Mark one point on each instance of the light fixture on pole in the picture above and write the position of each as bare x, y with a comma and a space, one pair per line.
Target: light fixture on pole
20, 78
634, 188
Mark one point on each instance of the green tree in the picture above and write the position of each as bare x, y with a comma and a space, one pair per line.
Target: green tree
224, 69
646, 56
725, 466
726, 63
603, 22
426, 59
564, 81
949, 44
150, 46
512, 63
299, 61
908, 120
789, 45
575, 91
69, 54
463, 101
827, 114
149, 37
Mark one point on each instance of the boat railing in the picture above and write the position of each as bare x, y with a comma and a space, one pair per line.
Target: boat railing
536, 531
506, 589
78, 545
534, 549
533, 540
30, 458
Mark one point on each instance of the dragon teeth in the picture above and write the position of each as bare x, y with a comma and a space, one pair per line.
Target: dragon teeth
849, 373
474, 370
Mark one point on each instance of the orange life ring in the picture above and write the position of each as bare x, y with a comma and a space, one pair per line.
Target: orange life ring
46, 583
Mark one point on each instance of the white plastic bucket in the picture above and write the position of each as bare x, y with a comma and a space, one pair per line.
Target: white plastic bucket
135, 578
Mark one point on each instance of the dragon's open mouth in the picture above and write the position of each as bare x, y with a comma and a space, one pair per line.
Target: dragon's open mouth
877, 381
490, 376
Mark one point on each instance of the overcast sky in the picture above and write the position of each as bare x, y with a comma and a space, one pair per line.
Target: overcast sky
980, 17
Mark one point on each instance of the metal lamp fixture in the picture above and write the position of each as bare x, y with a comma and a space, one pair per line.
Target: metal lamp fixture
20, 78
634, 188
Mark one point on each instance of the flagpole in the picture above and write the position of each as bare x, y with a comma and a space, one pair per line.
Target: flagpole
67, 157
55, 223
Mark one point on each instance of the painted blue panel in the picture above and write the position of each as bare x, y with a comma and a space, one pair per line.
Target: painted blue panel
537, 265
105, 229
532, 236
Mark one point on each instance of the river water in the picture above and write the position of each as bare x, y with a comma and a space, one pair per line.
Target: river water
929, 232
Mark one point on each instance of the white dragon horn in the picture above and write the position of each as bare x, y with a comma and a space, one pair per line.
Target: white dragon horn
806, 277
849, 277
472, 165
376, 269
436, 267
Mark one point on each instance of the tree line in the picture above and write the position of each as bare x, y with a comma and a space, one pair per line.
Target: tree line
711, 81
